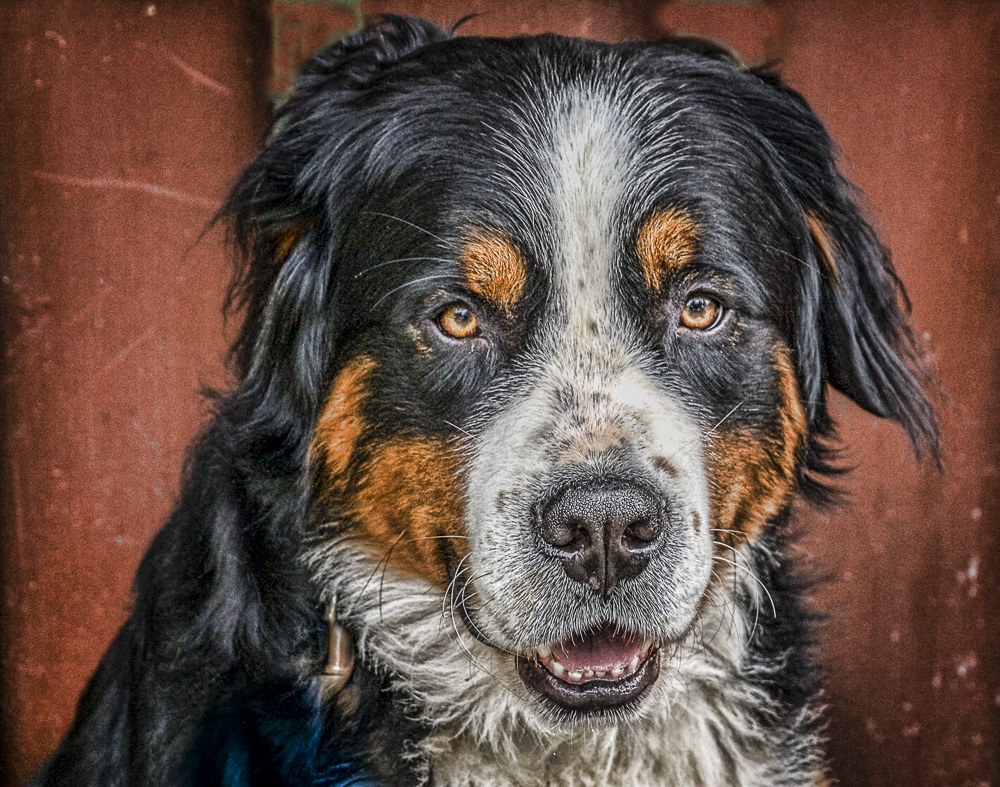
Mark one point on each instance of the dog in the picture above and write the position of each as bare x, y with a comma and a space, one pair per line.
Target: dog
537, 341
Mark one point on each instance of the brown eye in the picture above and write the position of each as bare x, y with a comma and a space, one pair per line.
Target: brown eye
458, 321
700, 312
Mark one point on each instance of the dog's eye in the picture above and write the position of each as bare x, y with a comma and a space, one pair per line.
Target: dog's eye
458, 321
701, 312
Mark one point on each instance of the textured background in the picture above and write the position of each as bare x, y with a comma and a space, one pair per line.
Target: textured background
121, 124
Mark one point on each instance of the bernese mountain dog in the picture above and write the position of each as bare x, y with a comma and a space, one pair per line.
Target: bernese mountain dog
537, 338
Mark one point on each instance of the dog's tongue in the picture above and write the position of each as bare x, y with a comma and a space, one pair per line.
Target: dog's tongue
600, 649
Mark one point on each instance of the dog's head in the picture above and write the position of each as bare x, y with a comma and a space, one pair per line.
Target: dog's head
557, 318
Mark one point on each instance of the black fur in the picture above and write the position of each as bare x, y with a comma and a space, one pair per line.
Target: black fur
208, 681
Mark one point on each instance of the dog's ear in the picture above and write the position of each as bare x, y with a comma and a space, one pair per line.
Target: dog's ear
243, 507
868, 347
861, 320
852, 322
286, 211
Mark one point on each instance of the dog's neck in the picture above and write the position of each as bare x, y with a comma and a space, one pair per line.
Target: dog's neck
701, 723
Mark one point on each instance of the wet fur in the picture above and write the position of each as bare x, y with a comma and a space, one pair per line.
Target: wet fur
209, 682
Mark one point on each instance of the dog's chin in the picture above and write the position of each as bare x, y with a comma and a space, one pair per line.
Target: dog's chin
603, 672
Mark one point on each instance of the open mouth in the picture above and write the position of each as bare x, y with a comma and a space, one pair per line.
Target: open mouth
596, 672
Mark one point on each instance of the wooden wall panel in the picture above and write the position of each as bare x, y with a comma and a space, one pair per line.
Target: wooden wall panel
122, 124
911, 90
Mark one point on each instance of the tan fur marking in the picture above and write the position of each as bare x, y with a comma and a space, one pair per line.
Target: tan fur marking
594, 442
408, 501
287, 243
666, 242
495, 269
824, 246
340, 426
753, 477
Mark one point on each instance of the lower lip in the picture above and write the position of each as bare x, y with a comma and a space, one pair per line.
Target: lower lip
593, 697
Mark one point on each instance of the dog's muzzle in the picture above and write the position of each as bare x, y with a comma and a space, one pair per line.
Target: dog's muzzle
602, 532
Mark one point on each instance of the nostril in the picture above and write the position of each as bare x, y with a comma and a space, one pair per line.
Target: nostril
639, 534
578, 542
568, 537
560, 529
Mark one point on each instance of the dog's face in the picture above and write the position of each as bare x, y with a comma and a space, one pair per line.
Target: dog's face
570, 339
558, 404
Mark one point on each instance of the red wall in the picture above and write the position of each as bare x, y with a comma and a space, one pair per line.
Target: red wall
911, 90
122, 123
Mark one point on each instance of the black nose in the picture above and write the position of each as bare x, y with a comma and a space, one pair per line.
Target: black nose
603, 532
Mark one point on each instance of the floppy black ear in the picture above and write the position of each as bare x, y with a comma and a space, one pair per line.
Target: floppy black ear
286, 210
860, 316
868, 349
852, 324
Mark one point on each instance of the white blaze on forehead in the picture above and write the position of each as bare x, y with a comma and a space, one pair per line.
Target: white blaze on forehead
590, 150
593, 157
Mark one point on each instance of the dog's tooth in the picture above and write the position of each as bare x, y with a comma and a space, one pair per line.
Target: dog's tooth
557, 668
576, 677
589, 673
600, 673
617, 672
634, 663
544, 651
647, 644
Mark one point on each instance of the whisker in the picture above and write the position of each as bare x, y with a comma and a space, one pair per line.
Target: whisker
468, 615
459, 428
377, 265
466, 650
732, 617
689, 443
411, 284
724, 545
774, 610
726, 416
385, 567
385, 557
788, 254
718, 627
470, 656
452, 584
409, 224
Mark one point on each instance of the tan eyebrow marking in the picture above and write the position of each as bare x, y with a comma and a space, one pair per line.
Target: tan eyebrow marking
666, 242
494, 268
